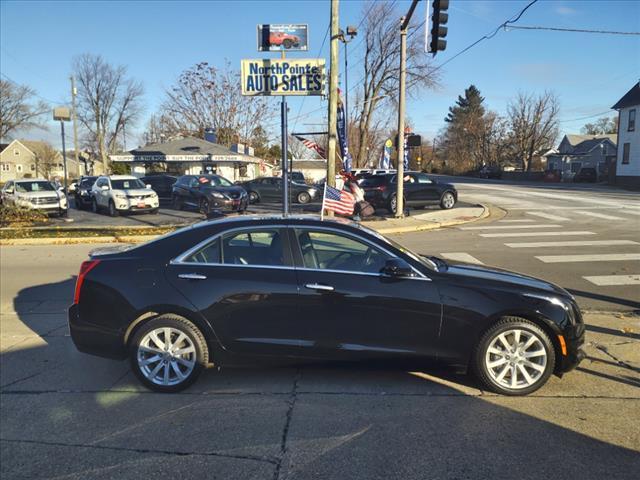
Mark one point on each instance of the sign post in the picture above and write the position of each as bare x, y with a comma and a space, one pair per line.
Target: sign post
63, 115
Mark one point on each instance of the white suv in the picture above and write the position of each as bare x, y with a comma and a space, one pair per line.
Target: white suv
123, 193
35, 194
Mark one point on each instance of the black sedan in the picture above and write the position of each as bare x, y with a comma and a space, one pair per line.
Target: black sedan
218, 291
82, 193
270, 189
161, 184
208, 193
420, 190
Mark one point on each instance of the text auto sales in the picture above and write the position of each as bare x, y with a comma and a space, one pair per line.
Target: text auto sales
283, 77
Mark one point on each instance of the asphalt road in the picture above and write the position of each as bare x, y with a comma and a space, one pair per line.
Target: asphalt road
585, 238
68, 415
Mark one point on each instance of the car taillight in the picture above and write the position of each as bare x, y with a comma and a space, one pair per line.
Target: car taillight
85, 268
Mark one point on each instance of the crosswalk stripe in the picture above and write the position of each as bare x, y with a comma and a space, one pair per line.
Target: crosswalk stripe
608, 280
572, 243
508, 227
598, 215
549, 216
520, 220
461, 257
534, 234
602, 257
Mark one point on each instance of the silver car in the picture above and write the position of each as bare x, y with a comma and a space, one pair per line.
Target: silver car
35, 194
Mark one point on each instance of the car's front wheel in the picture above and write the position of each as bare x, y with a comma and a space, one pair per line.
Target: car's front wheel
168, 353
514, 357
94, 206
304, 197
447, 201
253, 197
113, 211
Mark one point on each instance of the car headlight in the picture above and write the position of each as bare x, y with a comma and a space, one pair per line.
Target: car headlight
313, 192
217, 195
120, 196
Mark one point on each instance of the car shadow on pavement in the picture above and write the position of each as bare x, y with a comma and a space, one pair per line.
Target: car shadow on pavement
67, 413
605, 298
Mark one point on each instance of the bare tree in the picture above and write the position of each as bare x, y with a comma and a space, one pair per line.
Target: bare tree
602, 126
534, 125
381, 67
47, 159
18, 109
208, 97
108, 102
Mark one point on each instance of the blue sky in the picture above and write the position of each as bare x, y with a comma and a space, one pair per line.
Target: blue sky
159, 39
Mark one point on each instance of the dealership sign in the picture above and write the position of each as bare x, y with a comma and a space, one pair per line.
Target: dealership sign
287, 37
283, 77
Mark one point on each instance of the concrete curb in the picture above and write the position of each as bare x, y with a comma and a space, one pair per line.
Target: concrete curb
486, 212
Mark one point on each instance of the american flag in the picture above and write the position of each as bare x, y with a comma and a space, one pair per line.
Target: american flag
340, 201
311, 145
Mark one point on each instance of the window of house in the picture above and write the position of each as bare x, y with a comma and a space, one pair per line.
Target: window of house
19, 168
6, 167
625, 153
16, 152
632, 120
32, 167
575, 167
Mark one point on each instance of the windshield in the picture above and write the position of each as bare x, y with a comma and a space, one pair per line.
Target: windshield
214, 181
88, 182
24, 187
127, 184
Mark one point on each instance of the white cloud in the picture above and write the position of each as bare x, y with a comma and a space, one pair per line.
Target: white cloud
564, 10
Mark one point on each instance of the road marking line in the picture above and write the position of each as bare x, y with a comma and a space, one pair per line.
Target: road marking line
603, 257
599, 215
571, 243
508, 227
461, 257
548, 216
608, 280
626, 210
534, 234
516, 221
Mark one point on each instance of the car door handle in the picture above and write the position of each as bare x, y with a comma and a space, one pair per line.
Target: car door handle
192, 276
317, 286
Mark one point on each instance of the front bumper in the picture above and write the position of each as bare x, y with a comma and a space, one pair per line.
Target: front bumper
132, 205
230, 205
574, 340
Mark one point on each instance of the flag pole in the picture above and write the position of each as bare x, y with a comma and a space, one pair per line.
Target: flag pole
324, 194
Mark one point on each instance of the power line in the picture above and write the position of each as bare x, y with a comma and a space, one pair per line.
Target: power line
35, 94
587, 117
579, 30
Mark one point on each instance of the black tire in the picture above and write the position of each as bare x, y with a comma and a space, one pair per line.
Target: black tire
113, 211
78, 204
447, 201
94, 206
254, 197
287, 43
303, 198
178, 324
205, 206
481, 356
392, 204
153, 211
177, 203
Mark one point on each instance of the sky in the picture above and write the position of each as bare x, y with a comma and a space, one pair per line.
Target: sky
157, 40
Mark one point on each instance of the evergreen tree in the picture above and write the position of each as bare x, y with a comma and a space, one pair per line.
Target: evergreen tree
469, 105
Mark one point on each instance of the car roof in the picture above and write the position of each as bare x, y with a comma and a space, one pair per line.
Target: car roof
121, 177
29, 180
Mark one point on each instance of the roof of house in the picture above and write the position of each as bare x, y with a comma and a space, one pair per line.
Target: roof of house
3, 146
575, 140
183, 146
632, 97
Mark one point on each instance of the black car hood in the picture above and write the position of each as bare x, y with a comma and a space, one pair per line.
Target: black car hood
504, 276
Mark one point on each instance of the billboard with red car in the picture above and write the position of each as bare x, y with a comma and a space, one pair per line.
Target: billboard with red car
283, 37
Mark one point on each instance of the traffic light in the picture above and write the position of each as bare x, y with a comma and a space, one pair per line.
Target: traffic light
436, 31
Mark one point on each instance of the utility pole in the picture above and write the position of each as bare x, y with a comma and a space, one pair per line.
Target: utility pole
333, 97
401, 109
74, 92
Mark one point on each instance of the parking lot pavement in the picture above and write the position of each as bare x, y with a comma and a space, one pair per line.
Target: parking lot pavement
71, 415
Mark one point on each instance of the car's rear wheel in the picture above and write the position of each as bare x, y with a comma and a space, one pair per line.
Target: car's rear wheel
94, 206
254, 197
113, 211
447, 201
168, 353
304, 197
205, 207
514, 357
393, 203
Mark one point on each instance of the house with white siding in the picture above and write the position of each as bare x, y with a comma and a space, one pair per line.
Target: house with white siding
628, 158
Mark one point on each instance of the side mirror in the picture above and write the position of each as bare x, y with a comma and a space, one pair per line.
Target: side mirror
148, 185
397, 268
104, 187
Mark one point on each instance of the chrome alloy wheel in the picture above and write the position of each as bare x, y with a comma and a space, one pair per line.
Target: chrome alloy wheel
516, 359
166, 356
448, 201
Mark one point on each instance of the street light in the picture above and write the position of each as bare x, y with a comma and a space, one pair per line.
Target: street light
351, 32
63, 115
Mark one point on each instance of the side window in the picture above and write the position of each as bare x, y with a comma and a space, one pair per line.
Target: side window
422, 178
632, 120
193, 182
208, 254
257, 247
334, 251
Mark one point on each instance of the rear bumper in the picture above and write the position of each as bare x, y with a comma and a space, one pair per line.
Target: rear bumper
92, 339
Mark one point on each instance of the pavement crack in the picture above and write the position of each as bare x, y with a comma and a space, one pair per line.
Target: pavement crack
255, 458
291, 401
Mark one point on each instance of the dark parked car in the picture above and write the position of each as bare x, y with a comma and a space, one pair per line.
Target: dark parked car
420, 190
209, 193
269, 189
489, 171
298, 177
218, 291
161, 184
82, 194
586, 175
